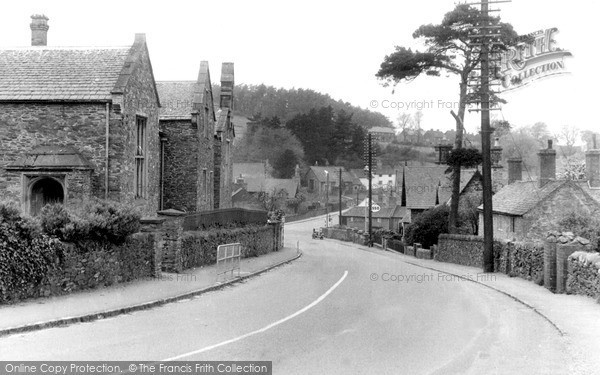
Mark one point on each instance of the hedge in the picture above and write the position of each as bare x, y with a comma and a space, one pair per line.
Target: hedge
584, 274
200, 248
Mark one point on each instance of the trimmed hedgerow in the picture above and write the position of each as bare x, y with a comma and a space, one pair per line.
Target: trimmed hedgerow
200, 248
97, 220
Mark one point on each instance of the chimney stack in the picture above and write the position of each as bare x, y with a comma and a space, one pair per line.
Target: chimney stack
547, 164
592, 165
227, 85
39, 30
515, 170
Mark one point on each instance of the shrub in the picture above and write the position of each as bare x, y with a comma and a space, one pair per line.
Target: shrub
96, 220
427, 226
26, 255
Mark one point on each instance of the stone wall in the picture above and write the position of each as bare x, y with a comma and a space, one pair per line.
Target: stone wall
26, 125
181, 176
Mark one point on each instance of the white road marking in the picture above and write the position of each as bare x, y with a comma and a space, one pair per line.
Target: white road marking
303, 310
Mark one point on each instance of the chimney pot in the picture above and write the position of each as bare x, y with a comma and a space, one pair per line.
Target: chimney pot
549, 144
39, 30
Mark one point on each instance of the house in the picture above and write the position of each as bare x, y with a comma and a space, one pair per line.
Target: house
527, 210
198, 169
251, 174
390, 218
423, 187
79, 122
320, 179
382, 134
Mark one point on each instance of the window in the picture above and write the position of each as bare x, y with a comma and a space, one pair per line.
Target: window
140, 158
209, 185
512, 224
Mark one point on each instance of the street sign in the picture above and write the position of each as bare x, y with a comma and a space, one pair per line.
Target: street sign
375, 207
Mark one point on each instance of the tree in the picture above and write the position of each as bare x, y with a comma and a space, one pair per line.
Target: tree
427, 226
569, 134
416, 122
266, 143
404, 121
540, 131
448, 50
285, 164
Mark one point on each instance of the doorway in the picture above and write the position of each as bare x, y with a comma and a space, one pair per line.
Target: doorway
45, 190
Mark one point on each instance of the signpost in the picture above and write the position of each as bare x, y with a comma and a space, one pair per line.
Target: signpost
375, 207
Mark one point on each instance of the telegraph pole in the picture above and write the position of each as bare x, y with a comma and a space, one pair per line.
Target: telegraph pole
327, 201
370, 146
485, 35
488, 223
340, 214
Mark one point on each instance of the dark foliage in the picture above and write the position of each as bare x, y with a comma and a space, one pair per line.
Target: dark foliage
427, 226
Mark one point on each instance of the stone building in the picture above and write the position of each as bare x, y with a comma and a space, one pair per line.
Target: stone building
527, 210
198, 142
78, 122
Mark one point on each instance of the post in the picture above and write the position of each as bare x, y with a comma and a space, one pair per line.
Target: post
340, 214
488, 227
370, 190
327, 200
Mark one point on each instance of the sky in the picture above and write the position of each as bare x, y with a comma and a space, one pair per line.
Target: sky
333, 47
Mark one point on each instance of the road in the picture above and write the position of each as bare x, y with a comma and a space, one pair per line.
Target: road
336, 310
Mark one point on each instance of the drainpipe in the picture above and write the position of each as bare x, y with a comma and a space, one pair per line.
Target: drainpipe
106, 145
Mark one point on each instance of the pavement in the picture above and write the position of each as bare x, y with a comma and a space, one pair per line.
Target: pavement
141, 294
574, 317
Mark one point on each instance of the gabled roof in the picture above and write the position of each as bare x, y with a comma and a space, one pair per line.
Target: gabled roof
274, 184
334, 173
176, 98
80, 74
384, 213
423, 183
60, 73
521, 197
381, 129
51, 157
180, 98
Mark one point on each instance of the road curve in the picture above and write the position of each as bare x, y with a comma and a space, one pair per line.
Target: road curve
336, 310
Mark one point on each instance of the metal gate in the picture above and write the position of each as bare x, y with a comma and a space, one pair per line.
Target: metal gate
228, 259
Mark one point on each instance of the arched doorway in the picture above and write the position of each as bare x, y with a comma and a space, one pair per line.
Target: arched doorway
44, 191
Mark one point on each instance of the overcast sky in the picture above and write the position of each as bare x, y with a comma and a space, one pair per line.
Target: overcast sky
334, 47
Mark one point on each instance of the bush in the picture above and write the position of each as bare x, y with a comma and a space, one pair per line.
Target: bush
97, 220
427, 226
26, 255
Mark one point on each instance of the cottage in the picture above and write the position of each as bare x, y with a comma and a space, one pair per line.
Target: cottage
390, 218
527, 210
382, 134
423, 187
78, 122
320, 179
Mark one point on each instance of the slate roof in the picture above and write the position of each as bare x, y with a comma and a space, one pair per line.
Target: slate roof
60, 73
51, 157
333, 174
270, 184
381, 129
176, 98
423, 183
521, 197
384, 213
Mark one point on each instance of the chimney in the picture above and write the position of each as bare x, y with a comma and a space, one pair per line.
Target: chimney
547, 164
592, 165
39, 30
515, 170
227, 85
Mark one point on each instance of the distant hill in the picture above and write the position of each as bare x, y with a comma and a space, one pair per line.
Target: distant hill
285, 104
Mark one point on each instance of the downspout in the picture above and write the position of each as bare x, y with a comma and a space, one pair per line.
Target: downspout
106, 145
